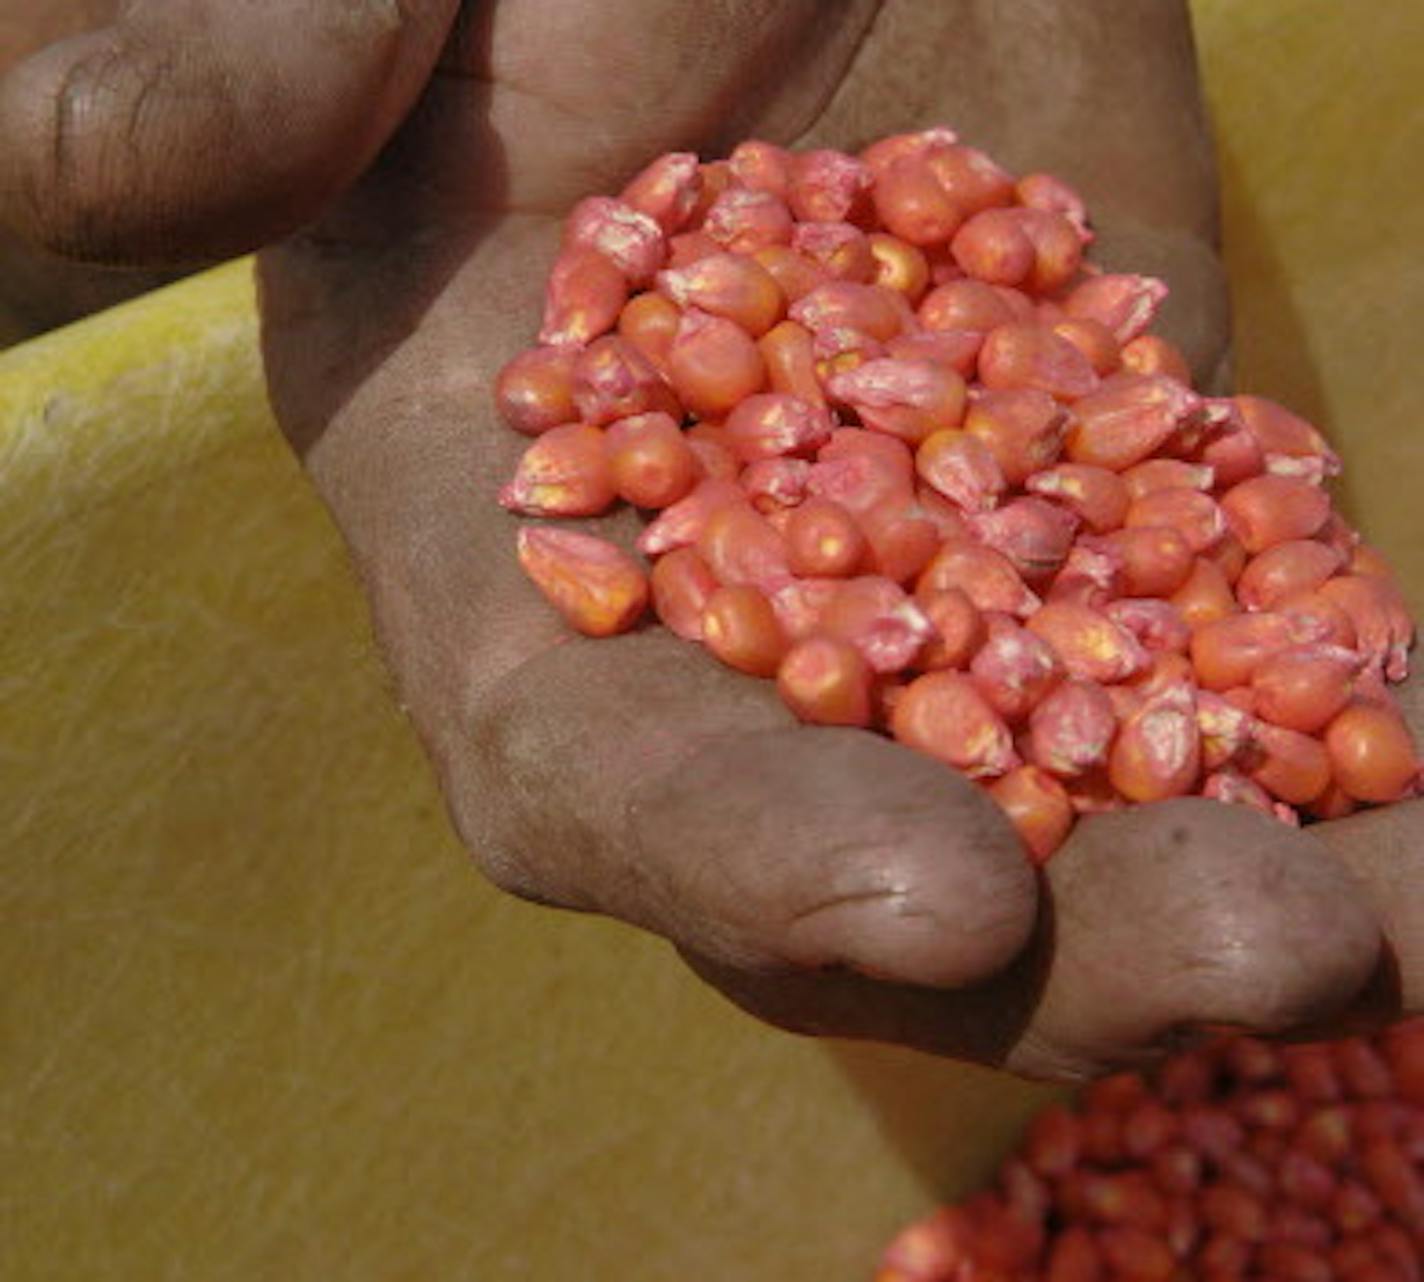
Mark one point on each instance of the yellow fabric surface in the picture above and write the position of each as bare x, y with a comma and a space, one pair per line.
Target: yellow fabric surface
260, 1021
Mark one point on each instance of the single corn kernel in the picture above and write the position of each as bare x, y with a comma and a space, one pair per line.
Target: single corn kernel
1091, 645
994, 246
1124, 304
1227, 653
681, 587
1034, 534
1130, 418
965, 304
826, 682
1229, 557
743, 221
1206, 595
899, 265
1095, 341
841, 251
1370, 562
974, 182
535, 390
907, 399
962, 468
828, 186
613, 380
1159, 625
714, 364
900, 539
1057, 248
1031, 355
1226, 730
872, 310
884, 152
1267, 510
1156, 474
1023, 428
913, 205
630, 239
1071, 729
1094, 495
1049, 192
776, 485
667, 190
795, 274
987, 577
1303, 688
959, 630
1315, 618
1194, 515
860, 469
681, 525
649, 323
801, 604
1372, 754
597, 587
1038, 807
650, 461
1156, 559
1091, 576
715, 456
729, 285
944, 715
956, 349
1152, 354
1280, 432
741, 629
1233, 456
584, 295
770, 424
1292, 767
1157, 754
946, 517
1014, 669
761, 166
741, 547
565, 472
1383, 629
823, 540
790, 358
875, 615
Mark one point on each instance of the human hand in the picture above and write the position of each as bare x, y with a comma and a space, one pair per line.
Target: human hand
827, 880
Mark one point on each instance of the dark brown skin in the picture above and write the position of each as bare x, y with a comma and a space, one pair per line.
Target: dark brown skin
826, 880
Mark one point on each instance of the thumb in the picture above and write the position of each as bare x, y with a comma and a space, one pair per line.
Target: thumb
200, 129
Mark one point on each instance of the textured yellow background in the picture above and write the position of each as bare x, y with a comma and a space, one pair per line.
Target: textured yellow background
257, 1018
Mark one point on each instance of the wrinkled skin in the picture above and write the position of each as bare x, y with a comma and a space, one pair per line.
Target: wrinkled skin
826, 880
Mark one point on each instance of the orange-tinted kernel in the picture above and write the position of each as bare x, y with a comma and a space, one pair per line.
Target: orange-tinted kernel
1303, 688
1152, 354
1267, 510
598, 588
1095, 495
795, 274
904, 398
1049, 192
1194, 515
1226, 730
681, 587
741, 547
649, 323
875, 615
1159, 625
823, 540
1291, 766
650, 461
1091, 645
900, 539
1384, 630
776, 485
1038, 807
535, 391
667, 190
1027, 354
827, 186
844, 305
943, 714
771, 423
1127, 420
1371, 754
565, 472
742, 221
1014, 669
974, 182
959, 629
1156, 559
1023, 428
1095, 341
1157, 754
1071, 729
613, 380
762, 166
965, 304
994, 246
913, 205
987, 577
583, 298
1123, 304
825, 681
800, 605
840, 250
682, 524
714, 365
740, 628
1228, 652
962, 468
1205, 596
729, 285
899, 265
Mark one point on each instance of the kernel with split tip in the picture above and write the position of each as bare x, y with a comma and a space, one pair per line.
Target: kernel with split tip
565, 472
1124, 304
1226, 730
1383, 628
682, 524
828, 186
908, 399
899, 266
1034, 534
1057, 248
741, 629
1092, 576
962, 468
630, 239
839, 250
1095, 341
825, 681
944, 715
1038, 807
1159, 625
1049, 192
795, 274
1023, 428
769, 424
598, 588
649, 323
776, 485
667, 190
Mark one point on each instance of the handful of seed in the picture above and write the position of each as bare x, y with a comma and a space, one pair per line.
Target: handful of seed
907, 452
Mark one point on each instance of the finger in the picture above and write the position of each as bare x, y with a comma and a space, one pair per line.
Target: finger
1156, 923
196, 129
